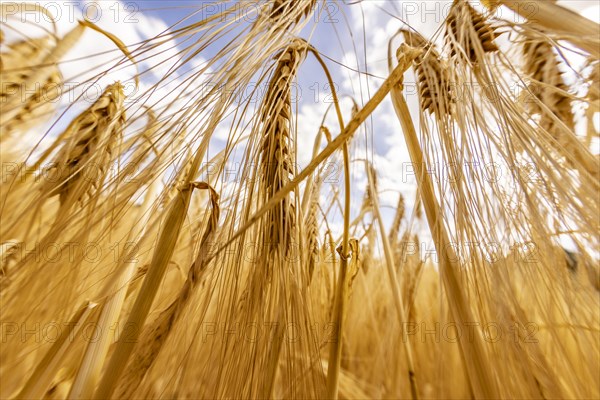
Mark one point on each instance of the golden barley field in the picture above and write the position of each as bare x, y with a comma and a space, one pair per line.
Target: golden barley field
134, 266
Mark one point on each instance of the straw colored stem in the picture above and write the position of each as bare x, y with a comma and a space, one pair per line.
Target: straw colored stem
168, 239
335, 350
481, 378
40, 380
95, 355
393, 279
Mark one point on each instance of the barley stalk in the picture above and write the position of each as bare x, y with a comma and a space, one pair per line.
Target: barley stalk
174, 217
339, 305
155, 335
41, 378
484, 385
391, 268
116, 291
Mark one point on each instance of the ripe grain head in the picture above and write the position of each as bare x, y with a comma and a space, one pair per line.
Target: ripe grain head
433, 76
89, 147
468, 33
276, 147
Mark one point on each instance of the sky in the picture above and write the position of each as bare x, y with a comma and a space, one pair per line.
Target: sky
352, 36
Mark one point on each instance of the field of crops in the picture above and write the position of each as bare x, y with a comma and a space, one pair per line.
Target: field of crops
134, 266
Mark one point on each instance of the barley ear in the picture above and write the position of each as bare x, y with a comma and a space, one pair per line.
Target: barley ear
91, 138
292, 10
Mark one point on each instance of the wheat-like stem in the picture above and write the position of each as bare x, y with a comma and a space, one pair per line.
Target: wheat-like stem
42, 376
484, 385
339, 305
173, 221
115, 290
392, 276
155, 335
